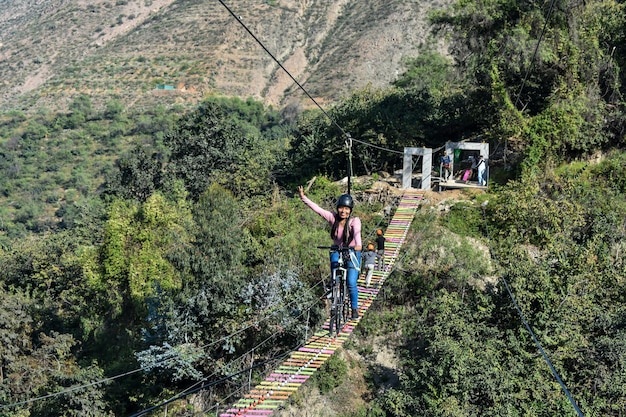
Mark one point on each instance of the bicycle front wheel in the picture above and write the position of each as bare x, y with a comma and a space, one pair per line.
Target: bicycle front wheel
335, 310
345, 305
342, 305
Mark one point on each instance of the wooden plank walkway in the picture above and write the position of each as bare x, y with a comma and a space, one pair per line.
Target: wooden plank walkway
269, 395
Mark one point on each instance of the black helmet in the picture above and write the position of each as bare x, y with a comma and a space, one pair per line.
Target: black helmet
345, 200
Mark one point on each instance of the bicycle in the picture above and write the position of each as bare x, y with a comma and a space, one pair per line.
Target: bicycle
340, 302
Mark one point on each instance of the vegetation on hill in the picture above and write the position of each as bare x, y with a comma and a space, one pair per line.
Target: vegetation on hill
51, 53
556, 247
131, 280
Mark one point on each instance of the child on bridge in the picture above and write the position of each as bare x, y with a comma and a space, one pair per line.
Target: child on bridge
369, 259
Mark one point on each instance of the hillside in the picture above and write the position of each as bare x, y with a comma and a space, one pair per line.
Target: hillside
156, 256
52, 50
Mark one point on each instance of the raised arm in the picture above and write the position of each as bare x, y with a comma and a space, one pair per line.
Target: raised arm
327, 215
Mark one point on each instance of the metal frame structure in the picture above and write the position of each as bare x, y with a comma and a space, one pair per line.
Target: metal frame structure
427, 160
469, 146
482, 147
407, 167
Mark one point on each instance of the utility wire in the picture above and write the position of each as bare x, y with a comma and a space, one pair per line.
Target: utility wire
530, 330
345, 134
283, 68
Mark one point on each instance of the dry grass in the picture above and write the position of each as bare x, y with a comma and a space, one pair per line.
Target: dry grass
124, 48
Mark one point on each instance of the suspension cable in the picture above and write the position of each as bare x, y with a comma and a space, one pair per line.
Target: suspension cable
211, 384
525, 322
371, 145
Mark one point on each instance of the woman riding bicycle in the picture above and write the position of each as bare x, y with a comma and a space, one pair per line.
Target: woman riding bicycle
346, 232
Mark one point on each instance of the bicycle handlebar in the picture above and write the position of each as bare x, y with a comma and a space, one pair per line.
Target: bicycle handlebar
337, 248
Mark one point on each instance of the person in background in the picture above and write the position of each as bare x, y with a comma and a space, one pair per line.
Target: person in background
380, 248
346, 232
446, 166
480, 165
369, 259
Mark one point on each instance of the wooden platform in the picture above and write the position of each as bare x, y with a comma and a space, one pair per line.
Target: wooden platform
456, 184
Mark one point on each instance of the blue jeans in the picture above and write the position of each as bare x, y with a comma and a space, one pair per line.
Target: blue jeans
482, 177
353, 266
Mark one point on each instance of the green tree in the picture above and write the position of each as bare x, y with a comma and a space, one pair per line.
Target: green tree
82, 104
114, 110
205, 146
213, 278
35, 361
137, 175
222, 142
137, 238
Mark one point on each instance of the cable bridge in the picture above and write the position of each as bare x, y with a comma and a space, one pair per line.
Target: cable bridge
272, 393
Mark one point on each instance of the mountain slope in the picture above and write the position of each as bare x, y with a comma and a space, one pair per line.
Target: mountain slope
51, 50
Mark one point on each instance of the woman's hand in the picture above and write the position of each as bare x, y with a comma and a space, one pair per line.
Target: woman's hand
301, 191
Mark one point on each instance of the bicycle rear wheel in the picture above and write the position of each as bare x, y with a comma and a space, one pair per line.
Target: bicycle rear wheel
346, 316
337, 320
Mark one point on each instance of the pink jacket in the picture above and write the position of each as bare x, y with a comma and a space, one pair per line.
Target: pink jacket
329, 216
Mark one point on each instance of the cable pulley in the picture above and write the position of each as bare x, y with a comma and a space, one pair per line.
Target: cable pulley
348, 143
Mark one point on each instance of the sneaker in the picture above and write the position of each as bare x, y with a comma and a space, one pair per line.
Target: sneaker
355, 314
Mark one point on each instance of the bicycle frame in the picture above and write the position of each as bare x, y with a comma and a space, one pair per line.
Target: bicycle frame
339, 308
